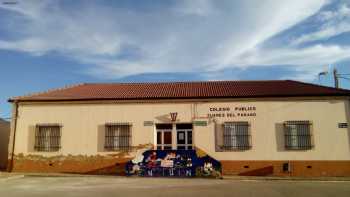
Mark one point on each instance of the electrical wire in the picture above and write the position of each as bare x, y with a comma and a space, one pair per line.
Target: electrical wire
344, 78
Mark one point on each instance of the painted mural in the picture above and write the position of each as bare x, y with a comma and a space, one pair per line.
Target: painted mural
174, 163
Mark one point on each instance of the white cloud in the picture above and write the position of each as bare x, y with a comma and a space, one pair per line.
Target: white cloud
195, 7
307, 62
333, 23
31, 9
190, 36
311, 56
270, 19
47, 27
32, 45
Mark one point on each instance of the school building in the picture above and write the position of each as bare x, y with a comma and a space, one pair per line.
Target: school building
275, 128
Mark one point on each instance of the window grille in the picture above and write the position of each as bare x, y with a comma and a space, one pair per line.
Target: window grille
297, 135
118, 137
47, 138
236, 136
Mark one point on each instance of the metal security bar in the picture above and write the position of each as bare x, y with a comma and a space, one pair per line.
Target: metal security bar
236, 136
47, 138
118, 137
297, 135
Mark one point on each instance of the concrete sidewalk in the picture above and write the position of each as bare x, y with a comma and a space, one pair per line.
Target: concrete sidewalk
111, 186
257, 178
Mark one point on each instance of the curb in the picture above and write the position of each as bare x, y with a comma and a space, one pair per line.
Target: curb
62, 175
8, 176
267, 178
13, 177
15, 174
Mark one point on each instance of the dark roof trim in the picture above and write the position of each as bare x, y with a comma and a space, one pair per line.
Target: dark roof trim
177, 98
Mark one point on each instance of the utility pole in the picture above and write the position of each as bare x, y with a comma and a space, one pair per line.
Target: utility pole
336, 80
336, 76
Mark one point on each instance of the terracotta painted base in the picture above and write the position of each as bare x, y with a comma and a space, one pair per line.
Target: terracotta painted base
115, 164
286, 168
71, 164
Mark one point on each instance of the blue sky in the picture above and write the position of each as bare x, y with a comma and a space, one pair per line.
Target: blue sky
50, 44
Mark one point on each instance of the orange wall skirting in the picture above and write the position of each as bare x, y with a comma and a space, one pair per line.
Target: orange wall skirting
297, 168
116, 165
71, 164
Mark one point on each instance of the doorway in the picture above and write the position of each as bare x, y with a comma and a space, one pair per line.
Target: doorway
164, 136
184, 136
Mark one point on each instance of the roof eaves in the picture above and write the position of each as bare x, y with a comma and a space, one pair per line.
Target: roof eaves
18, 98
183, 98
318, 85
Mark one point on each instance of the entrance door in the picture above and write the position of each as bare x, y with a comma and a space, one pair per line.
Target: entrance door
164, 136
184, 136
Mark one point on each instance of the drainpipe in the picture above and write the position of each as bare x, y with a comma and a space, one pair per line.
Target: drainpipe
14, 127
217, 148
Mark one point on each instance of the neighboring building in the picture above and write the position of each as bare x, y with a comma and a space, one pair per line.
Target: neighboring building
283, 128
4, 141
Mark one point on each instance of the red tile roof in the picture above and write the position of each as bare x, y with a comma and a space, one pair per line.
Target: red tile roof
184, 90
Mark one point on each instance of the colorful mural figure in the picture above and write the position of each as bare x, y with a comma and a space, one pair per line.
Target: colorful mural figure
174, 163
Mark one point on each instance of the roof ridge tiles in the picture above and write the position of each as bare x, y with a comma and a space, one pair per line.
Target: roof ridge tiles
182, 82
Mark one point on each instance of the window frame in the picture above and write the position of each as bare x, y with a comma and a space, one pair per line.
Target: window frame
110, 137
303, 138
39, 138
247, 140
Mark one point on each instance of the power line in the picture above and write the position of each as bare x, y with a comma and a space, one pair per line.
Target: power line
344, 78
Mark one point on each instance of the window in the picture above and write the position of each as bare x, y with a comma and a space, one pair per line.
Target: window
236, 136
297, 135
118, 137
48, 138
343, 125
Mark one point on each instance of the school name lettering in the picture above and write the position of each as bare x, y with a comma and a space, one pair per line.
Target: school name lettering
239, 111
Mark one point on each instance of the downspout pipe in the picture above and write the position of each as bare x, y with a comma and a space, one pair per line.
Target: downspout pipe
13, 128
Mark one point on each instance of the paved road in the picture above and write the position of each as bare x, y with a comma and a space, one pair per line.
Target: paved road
153, 187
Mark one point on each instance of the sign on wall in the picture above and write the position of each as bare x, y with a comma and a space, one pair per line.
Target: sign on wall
228, 112
200, 123
148, 123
